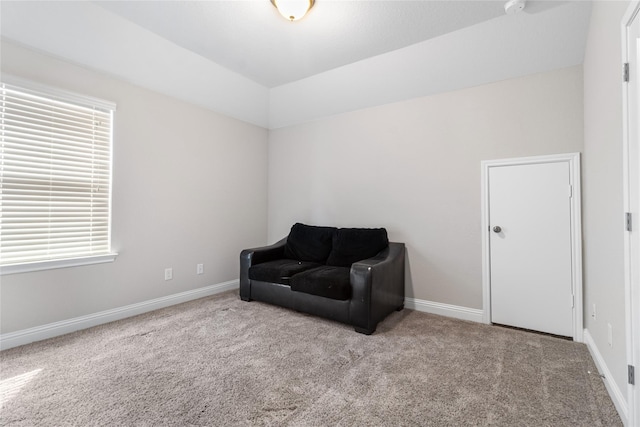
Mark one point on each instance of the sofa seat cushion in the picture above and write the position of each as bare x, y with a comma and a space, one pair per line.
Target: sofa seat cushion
325, 281
279, 271
355, 244
309, 243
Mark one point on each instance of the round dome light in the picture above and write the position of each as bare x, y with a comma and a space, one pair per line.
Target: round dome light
293, 9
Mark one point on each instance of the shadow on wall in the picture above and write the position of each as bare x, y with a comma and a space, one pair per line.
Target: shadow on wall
408, 280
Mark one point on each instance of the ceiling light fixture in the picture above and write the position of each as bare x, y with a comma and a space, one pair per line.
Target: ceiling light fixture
514, 6
293, 9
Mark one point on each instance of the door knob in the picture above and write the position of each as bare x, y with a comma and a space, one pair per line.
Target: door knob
497, 229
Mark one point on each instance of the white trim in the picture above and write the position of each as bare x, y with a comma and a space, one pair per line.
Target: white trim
56, 263
441, 309
26, 336
486, 261
614, 392
573, 159
632, 310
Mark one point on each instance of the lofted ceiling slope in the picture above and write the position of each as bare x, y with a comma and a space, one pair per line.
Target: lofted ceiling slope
251, 38
241, 58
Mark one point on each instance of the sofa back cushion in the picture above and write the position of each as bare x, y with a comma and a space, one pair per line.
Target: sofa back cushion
309, 243
355, 244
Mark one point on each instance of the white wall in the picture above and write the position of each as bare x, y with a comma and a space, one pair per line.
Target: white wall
189, 187
414, 168
602, 190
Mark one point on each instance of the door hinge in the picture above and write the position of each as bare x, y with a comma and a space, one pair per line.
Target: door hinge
625, 72
632, 374
628, 221
570, 191
573, 301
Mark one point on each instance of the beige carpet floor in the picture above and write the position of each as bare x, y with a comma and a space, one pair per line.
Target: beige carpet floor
219, 361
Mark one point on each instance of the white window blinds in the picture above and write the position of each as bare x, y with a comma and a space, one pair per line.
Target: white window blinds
55, 176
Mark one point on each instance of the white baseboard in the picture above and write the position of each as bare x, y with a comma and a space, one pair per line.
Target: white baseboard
26, 336
441, 309
615, 393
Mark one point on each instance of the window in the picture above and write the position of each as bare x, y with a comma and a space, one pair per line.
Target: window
55, 178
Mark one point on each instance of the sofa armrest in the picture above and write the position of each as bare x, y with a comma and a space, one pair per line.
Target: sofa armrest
250, 257
377, 287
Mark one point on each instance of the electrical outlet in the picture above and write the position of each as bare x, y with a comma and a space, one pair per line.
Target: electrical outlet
610, 334
200, 269
593, 312
168, 273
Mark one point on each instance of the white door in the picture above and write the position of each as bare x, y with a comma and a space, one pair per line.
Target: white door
530, 247
631, 151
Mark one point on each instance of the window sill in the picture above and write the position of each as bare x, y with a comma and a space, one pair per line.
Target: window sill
53, 264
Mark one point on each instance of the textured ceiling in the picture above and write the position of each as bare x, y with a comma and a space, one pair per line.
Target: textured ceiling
252, 39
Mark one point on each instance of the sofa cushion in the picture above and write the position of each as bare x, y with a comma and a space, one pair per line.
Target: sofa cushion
309, 243
279, 271
355, 244
325, 281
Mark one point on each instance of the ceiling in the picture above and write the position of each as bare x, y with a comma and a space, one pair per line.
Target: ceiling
252, 39
242, 59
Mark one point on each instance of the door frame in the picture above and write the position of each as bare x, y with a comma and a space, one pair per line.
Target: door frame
573, 161
632, 305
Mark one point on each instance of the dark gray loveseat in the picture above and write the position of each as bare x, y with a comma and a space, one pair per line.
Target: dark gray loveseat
352, 275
